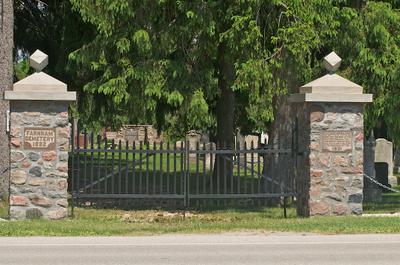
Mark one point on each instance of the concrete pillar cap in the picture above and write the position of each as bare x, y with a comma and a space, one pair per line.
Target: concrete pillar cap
39, 86
331, 87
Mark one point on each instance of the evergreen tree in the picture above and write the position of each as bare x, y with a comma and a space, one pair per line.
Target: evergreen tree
214, 65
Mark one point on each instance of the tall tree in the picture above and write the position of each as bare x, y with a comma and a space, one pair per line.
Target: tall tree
6, 80
368, 41
53, 27
215, 65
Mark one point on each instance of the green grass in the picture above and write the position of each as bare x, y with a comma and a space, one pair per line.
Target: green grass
390, 203
95, 222
156, 162
160, 173
4, 207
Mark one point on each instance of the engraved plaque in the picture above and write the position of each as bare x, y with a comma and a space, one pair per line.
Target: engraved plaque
40, 138
131, 135
111, 135
337, 141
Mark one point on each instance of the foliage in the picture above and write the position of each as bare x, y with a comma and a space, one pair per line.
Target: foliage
21, 69
166, 61
52, 27
369, 41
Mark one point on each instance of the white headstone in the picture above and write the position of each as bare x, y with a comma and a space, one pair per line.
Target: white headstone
384, 153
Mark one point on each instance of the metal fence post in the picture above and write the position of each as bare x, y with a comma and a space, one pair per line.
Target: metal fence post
186, 176
72, 170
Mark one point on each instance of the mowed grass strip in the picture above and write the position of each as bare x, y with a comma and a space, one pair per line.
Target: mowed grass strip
95, 222
390, 203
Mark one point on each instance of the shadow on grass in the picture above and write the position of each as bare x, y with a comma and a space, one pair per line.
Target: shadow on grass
252, 207
390, 203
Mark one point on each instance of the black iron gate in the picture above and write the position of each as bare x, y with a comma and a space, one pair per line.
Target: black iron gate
156, 174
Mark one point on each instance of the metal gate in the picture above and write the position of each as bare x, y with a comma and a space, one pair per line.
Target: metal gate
156, 174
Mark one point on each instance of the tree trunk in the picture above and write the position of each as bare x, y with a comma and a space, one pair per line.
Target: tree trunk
279, 167
225, 117
359, 4
6, 80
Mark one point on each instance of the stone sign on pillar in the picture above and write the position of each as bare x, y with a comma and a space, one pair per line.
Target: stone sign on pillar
330, 141
39, 134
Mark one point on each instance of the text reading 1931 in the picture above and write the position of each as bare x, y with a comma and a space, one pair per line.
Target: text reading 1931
39, 138
337, 141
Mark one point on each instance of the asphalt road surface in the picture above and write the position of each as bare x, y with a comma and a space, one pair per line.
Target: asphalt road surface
203, 249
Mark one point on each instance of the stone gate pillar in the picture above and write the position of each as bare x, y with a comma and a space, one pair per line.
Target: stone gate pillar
330, 142
39, 143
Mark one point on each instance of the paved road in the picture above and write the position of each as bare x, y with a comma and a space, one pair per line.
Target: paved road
203, 249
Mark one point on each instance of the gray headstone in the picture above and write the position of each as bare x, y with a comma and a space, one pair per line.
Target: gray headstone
384, 154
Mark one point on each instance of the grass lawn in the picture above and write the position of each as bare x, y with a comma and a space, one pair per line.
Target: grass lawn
164, 174
390, 203
95, 222
106, 222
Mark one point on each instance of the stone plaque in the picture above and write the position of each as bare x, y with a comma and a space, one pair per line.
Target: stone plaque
40, 138
337, 141
131, 135
111, 135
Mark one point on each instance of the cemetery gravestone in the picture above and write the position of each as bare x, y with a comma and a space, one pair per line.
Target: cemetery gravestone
384, 162
135, 133
371, 191
193, 137
131, 135
396, 163
382, 176
210, 157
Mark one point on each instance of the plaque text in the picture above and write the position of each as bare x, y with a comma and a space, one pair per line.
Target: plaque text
337, 141
40, 138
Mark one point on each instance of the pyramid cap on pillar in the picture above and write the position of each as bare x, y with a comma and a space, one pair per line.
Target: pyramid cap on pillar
331, 83
40, 82
39, 86
331, 87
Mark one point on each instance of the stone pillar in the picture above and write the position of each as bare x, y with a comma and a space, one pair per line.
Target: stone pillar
330, 139
39, 137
